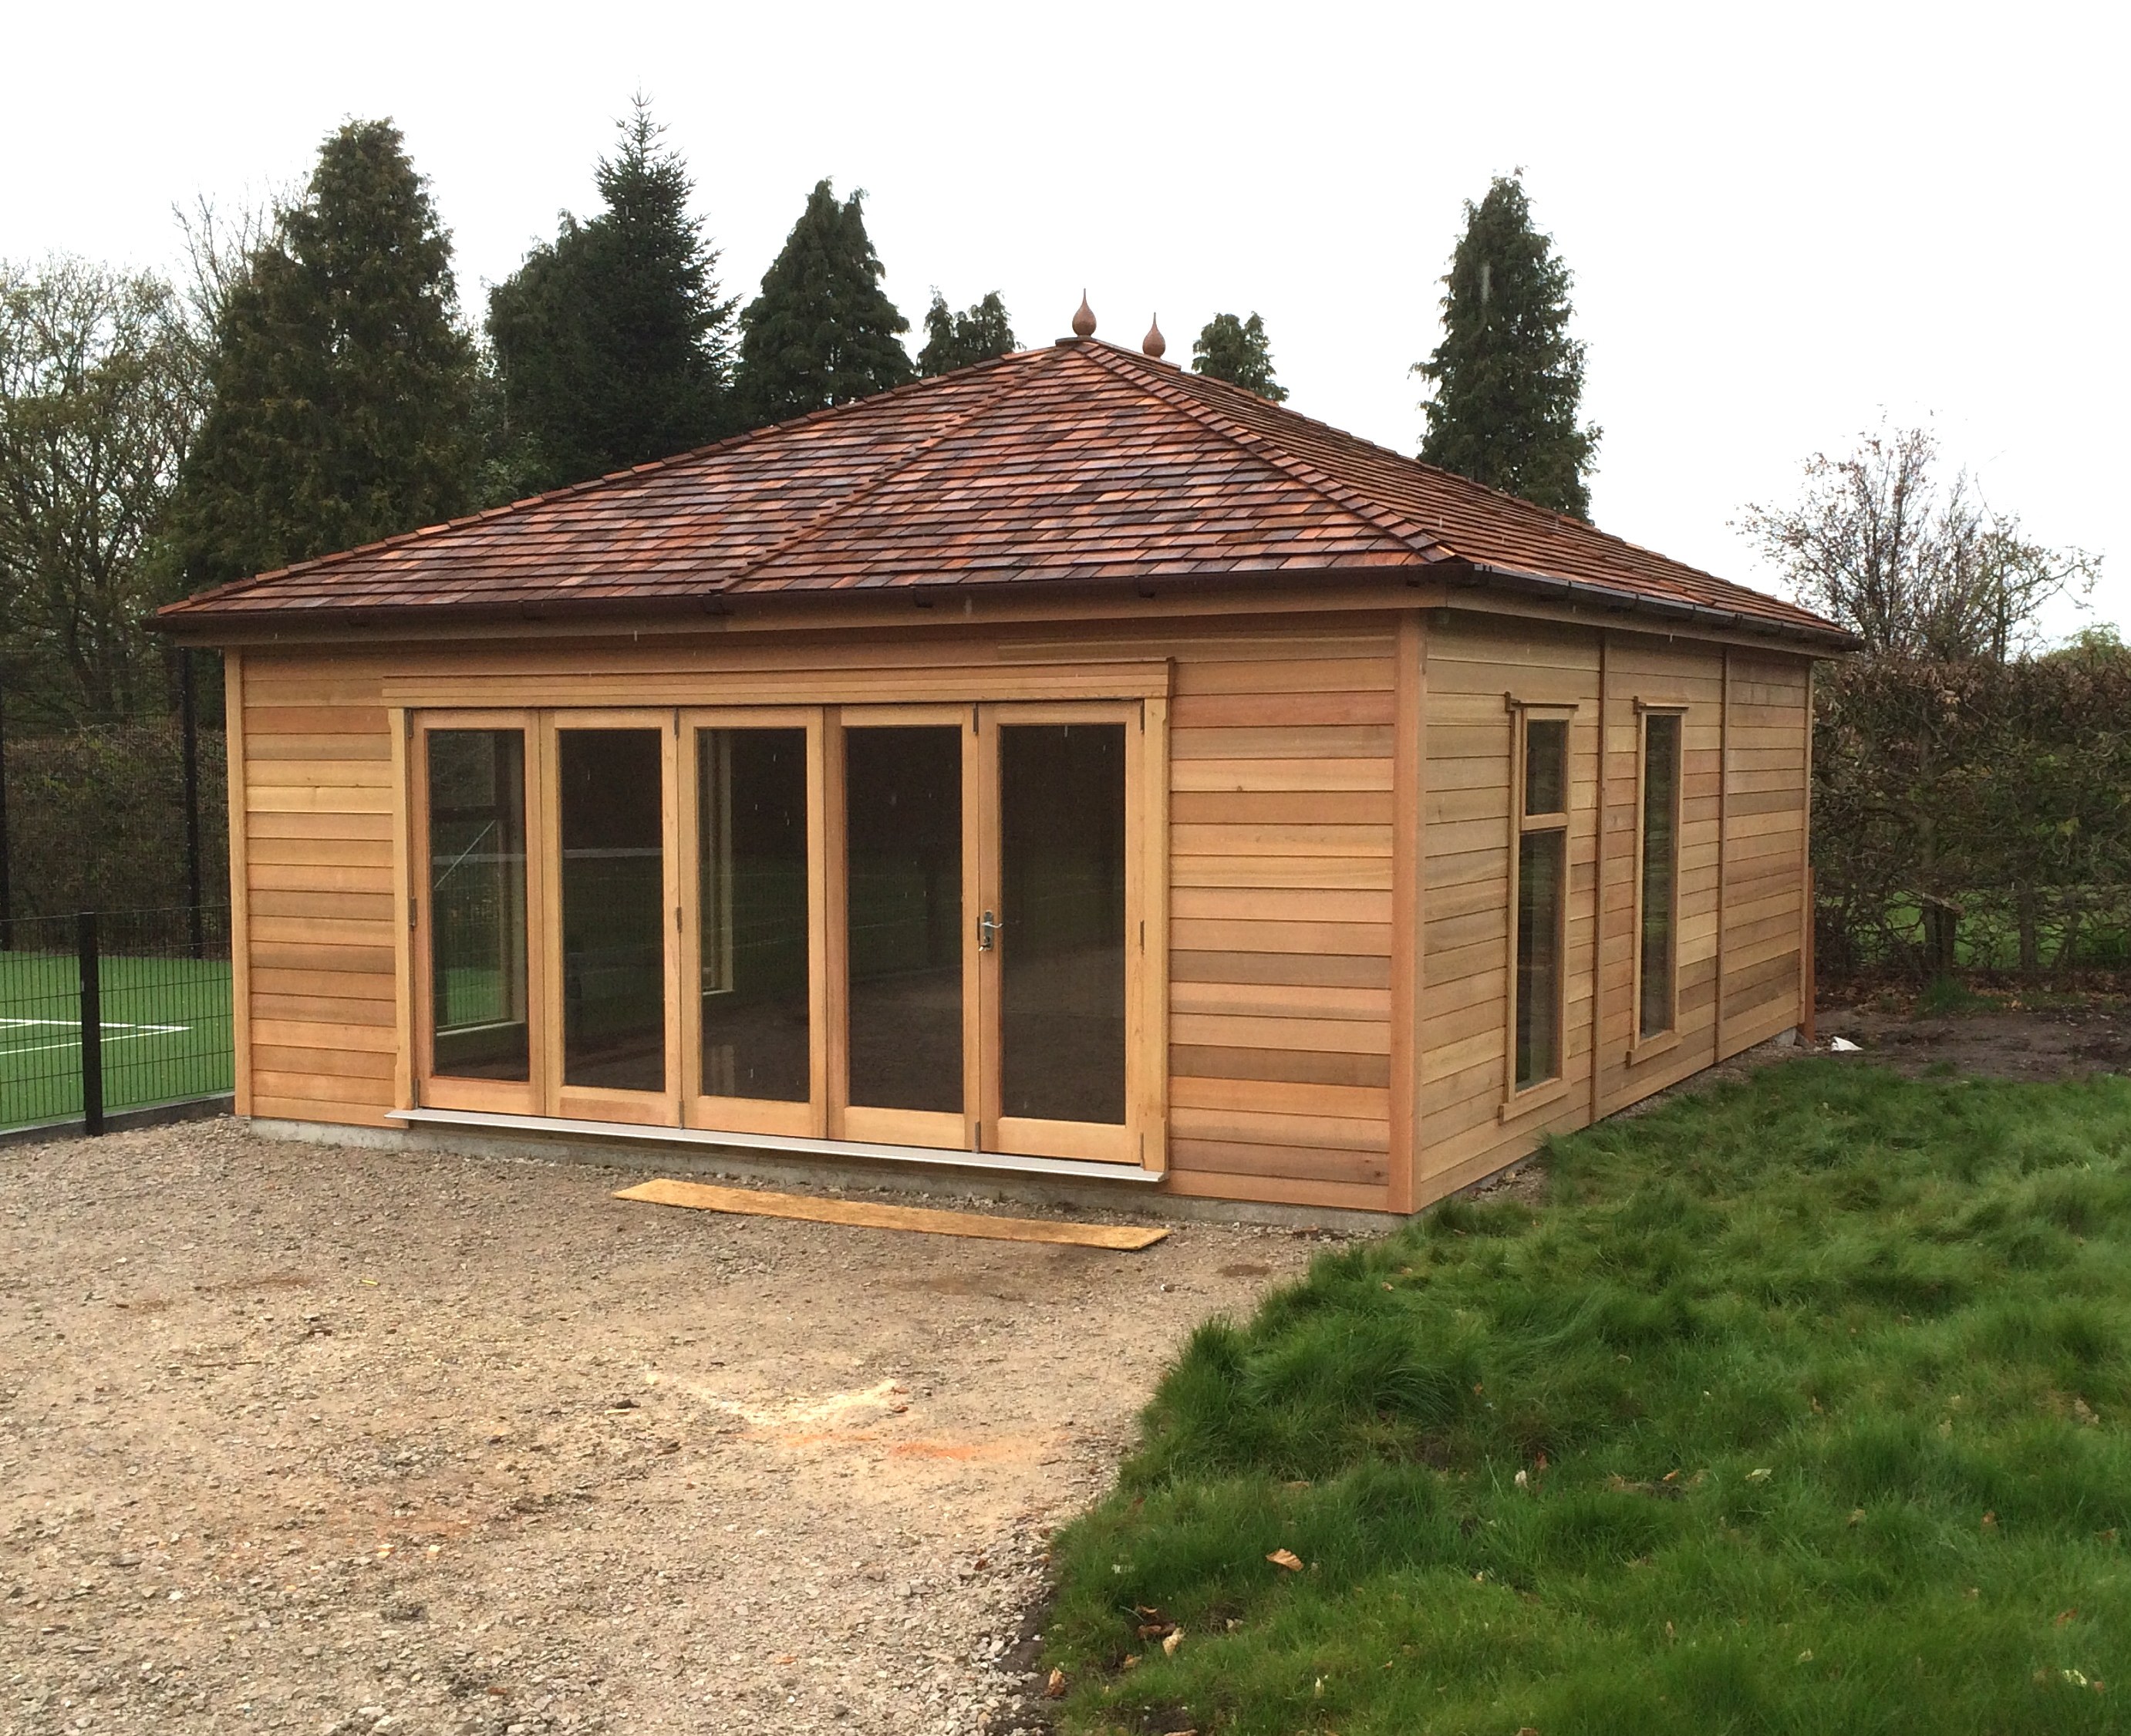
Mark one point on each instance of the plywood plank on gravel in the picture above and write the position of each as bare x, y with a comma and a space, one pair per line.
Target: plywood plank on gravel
867, 1215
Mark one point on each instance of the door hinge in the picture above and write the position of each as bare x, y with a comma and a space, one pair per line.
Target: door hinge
413, 906
676, 919
1143, 937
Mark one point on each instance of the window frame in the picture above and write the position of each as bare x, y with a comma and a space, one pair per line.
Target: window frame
1516, 1100
1643, 1047
432, 1089
806, 1119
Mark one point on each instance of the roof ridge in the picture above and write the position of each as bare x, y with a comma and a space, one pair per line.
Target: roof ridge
894, 467
1373, 512
610, 479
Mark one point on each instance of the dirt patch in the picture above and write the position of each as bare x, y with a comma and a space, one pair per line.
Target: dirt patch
300, 1438
2050, 1040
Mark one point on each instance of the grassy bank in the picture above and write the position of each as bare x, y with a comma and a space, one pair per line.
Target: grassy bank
1804, 1406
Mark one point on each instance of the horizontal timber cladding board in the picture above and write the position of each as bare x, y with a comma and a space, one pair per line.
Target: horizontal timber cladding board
1251, 775
317, 799
1328, 970
324, 828
261, 773
957, 684
1235, 1030
324, 1087
1279, 904
1304, 1162
340, 1012
370, 962
1213, 934
271, 722
1292, 1066
1338, 1104
1252, 1127
1264, 741
330, 931
337, 903
1327, 873
1278, 1190
1280, 1000
1278, 710
337, 749
1197, 675
291, 1032
278, 1108
336, 1060
1346, 842
277, 858
1280, 807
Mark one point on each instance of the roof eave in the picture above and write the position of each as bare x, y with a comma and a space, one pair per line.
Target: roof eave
1620, 600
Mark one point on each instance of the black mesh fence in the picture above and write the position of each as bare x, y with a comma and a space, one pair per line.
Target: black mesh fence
116, 1011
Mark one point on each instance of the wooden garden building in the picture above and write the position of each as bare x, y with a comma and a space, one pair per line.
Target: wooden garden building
1069, 765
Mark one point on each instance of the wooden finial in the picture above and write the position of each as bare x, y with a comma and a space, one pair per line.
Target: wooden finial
1084, 322
1153, 344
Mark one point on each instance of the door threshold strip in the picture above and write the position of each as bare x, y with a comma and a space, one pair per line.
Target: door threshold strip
935, 1157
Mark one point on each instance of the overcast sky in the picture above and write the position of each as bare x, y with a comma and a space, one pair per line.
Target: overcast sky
1784, 220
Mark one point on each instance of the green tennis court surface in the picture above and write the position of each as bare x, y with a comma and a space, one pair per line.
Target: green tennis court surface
165, 1033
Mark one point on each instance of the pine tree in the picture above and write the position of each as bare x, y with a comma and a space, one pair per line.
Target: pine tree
821, 332
957, 340
612, 345
1235, 350
1508, 378
341, 382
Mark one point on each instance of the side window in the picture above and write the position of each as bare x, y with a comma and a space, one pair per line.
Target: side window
1657, 887
1539, 895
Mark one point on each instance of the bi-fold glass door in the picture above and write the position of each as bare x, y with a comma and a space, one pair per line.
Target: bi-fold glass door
905, 925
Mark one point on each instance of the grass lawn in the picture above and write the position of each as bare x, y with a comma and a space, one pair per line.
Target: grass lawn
1802, 1406
166, 1033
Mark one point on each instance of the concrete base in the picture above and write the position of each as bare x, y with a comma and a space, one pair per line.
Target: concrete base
1120, 1199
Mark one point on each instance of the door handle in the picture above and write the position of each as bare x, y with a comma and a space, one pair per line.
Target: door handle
988, 928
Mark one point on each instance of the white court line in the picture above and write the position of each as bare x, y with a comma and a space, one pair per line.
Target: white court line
114, 1031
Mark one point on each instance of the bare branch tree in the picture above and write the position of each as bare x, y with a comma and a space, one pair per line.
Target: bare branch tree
1913, 566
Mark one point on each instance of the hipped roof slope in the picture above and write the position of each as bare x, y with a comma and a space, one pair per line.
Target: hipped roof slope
1080, 462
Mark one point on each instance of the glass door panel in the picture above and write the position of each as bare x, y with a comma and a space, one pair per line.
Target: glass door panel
478, 998
904, 917
1062, 941
612, 824
754, 987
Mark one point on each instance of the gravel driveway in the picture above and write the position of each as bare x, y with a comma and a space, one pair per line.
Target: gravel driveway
297, 1438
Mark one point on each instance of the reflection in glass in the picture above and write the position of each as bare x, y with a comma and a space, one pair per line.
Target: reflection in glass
904, 839
1062, 945
1546, 765
614, 897
1660, 868
1540, 868
751, 788
477, 903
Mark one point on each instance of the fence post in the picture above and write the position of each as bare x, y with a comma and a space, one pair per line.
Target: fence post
91, 1023
190, 708
1812, 956
7, 890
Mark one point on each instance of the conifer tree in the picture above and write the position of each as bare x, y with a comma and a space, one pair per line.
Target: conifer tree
612, 345
1235, 350
341, 382
1508, 378
823, 331
957, 340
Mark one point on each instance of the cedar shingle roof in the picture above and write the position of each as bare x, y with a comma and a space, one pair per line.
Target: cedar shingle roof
1082, 461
